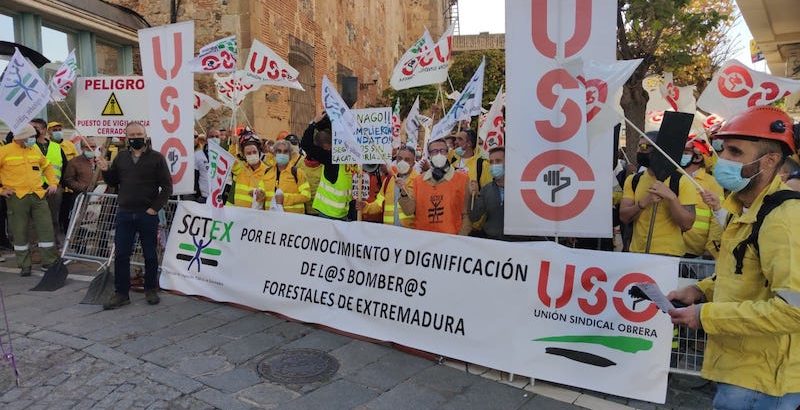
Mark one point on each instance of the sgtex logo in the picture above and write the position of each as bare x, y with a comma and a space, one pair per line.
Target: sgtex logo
204, 233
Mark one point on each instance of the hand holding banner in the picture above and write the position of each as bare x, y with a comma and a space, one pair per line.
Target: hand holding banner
23, 93
217, 57
64, 78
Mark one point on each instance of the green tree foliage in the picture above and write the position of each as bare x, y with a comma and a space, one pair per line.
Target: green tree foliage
682, 36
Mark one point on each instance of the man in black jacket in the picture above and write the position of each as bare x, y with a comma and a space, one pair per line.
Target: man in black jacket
144, 186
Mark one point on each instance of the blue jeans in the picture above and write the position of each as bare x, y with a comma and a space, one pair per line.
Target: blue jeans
128, 225
730, 397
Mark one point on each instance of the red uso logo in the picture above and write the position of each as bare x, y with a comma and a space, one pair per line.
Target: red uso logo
594, 282
735, 82
571, 110
173, 149
537, 166
596, 96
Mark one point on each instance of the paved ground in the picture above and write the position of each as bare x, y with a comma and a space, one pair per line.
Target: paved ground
190, 354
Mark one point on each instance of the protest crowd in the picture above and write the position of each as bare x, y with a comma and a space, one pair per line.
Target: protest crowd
728, 193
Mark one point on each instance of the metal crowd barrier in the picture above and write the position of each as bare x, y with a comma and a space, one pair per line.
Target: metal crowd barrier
687, 356
90, 235
90, 238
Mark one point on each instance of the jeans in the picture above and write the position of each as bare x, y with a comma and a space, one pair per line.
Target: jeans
128, 225
730, 397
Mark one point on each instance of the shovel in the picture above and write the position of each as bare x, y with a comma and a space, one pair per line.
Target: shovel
54, 278
100, 289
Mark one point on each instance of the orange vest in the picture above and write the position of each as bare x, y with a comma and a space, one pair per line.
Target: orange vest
439, 207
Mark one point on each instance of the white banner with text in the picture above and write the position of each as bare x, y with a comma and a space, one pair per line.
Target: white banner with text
533, 309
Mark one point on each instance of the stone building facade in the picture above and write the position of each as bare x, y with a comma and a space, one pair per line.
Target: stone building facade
337, 38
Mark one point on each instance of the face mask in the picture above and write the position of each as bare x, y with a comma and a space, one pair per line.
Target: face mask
58, 136
460, 151
252, 159
686, 159
89, 154
136, 143
30, 141
643, 159
729, 174
497, 170
115, 140
282, 159
439, 160
403, 167
717, 144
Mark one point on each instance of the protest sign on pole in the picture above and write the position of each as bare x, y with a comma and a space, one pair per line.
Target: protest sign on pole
265, 67
346, 148
465, 107
412, 125
415, 288
23, 94
105, 105
373, 134
418, 67
64, 78
220, 165
556, 182
165, 52
492, 131
735, 88
203, 104
217, 57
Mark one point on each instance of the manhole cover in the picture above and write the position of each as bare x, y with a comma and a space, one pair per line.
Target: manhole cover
298, 366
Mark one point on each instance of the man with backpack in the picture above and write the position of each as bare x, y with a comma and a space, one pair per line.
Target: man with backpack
660, 211
750, 308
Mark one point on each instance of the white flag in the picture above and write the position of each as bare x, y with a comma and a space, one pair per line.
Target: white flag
603, 82
265, 67
664, 95
217, 57
422, 68
734, 88
467, 105
231, 89
396, 123
64, 78
23, 93
220, 164
492, 131
344, 125
203, 104
412, 125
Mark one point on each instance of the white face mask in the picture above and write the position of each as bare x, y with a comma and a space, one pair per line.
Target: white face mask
253, 159
403, 167
439, 160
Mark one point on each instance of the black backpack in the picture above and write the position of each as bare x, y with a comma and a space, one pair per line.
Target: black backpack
771, 202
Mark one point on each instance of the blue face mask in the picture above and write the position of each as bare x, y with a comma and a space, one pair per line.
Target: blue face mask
282, 159
89, 154
460, 151
57, 136
31, 141
729, 174
686, 159
497, 170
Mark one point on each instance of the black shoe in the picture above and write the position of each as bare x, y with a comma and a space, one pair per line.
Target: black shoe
116, 300
25, 272
151, 295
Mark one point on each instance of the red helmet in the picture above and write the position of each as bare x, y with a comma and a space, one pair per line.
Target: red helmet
764, 122
698, 145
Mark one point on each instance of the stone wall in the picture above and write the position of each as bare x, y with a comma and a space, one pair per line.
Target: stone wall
365, 37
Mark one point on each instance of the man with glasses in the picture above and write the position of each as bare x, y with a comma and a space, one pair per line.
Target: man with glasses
660, 211
439, 199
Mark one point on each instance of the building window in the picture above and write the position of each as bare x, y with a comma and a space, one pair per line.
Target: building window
108, 58
56, 45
